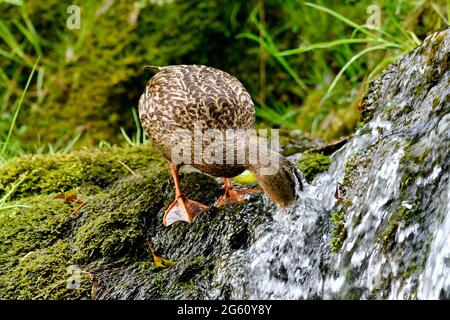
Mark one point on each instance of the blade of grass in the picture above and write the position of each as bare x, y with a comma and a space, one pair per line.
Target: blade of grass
387, 35
4, 76
137, 123
12, 206
13, 122
324, 45
278, 116
51, 148
351, 61
29, 36
29, 24
11, 56
12, 190
271, 48
11, 88
448, 11
415, 38
73, 141
381, 66
343, 19
125, 135
439, 13
14, 2
279, 58
40, 84
404, 33
7, 36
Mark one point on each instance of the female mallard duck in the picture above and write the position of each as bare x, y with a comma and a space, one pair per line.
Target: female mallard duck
182, 102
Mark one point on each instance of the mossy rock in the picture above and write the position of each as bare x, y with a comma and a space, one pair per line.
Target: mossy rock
311, 164
85, 169
390, 212
48, 252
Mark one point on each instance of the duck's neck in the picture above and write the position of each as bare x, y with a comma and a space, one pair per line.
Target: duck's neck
278, 178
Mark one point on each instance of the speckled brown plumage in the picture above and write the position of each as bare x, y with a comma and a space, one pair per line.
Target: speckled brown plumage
179, 96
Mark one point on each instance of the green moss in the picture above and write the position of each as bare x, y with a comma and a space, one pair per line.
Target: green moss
412, 163
350, 171
357, 220
402, 216
116, 223
410, 271
62, 172
45, 274
113, 227
436, 102
37, 246
24, 230
313, 164
406, 109
436, 45
41, 244
388, 235
354, 166
389, 110
339, 232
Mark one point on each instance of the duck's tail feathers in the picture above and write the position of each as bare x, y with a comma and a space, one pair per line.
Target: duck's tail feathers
154, 68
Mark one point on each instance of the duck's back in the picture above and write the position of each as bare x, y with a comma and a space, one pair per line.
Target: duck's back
178, 96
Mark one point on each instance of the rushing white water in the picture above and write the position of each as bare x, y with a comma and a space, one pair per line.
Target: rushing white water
436, 277
397, 212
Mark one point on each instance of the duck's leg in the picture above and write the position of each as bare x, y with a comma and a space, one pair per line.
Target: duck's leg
232, 195
181, 209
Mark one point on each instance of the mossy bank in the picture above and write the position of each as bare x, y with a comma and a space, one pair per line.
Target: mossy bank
53, 247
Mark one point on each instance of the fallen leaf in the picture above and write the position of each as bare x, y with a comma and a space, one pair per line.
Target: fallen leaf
158, 261
68, 197
72, 198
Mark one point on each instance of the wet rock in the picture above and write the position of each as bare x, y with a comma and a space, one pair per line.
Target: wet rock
386, 234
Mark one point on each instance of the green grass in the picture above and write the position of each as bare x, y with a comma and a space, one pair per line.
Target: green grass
337, 56
139, 136
315, 59
6, 149
4, 199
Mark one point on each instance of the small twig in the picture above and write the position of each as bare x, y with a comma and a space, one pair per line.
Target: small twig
94, 284
150, 246
129, 169
74, 213
94, 288
337, 193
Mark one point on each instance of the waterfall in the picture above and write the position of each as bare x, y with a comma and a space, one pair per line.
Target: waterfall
436, 277
396, 215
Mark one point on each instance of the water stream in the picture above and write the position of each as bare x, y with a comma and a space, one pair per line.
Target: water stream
397, 214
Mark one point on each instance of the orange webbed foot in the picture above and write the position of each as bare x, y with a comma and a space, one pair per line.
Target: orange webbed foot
232, 195
183, 209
